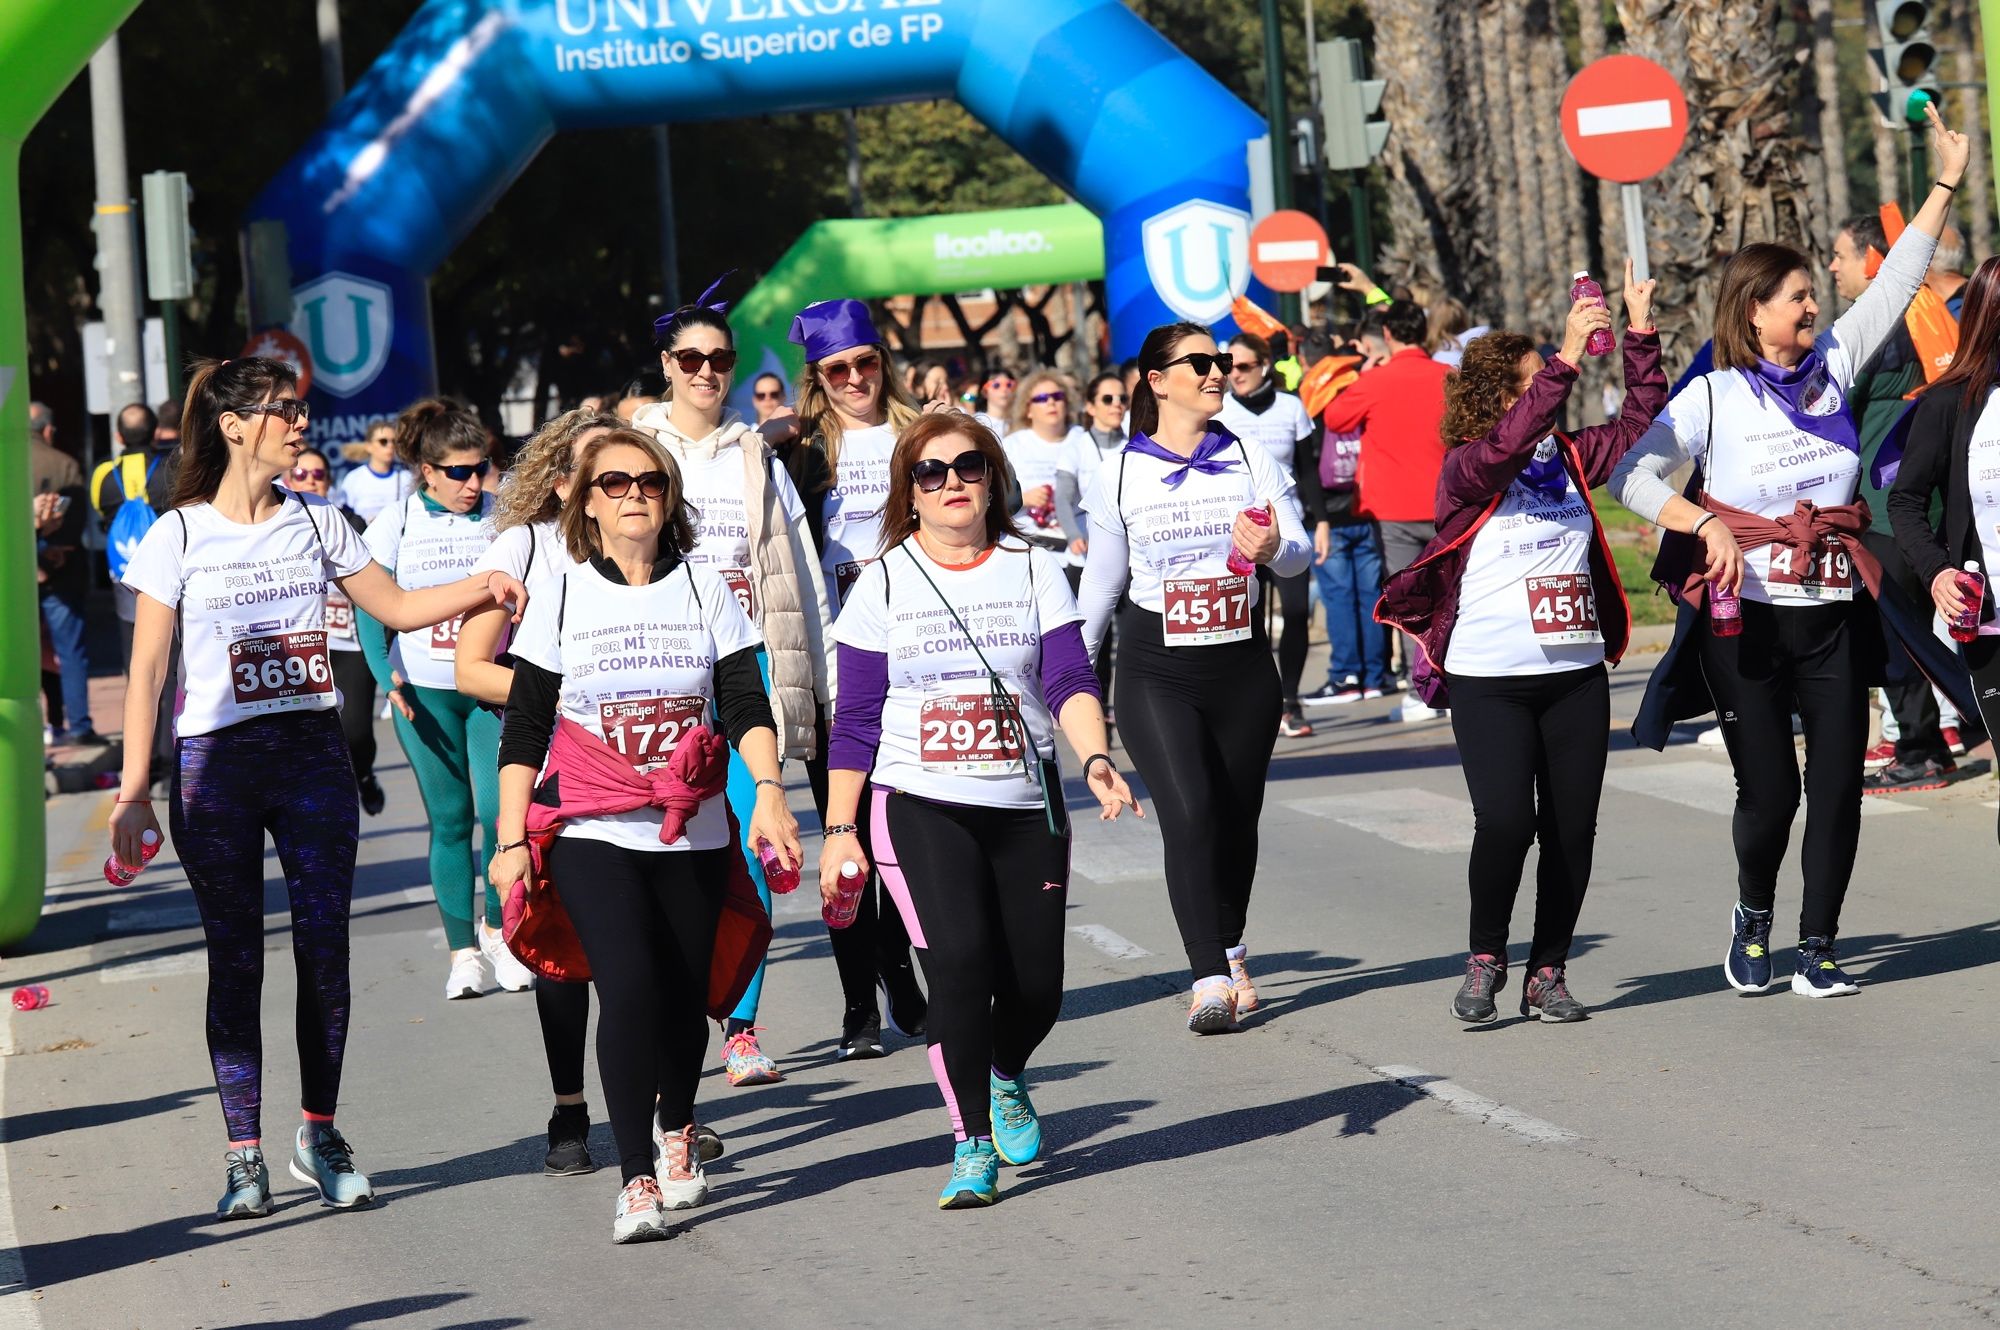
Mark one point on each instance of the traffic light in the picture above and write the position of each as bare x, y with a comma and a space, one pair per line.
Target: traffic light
1907, 57
1347, 101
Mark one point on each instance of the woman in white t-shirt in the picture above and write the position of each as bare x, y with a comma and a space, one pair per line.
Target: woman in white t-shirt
1198, 701
960, 653
241, 567
621, 667
1041, 438
436, 534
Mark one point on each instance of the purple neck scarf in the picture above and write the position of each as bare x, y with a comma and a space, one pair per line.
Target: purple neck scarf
1204, 459
1795, 392
1547, 474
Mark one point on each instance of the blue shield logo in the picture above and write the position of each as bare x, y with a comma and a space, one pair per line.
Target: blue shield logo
1198, 255
345, 323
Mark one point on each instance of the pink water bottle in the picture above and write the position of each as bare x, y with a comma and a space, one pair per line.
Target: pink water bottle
777, 876
31, 997
1239, 565
1971, 585
122, 875
1725, 611
846, 897
1584, 287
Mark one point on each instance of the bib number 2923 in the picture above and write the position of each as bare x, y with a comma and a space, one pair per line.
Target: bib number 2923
1204, 610
280, 672
966, 735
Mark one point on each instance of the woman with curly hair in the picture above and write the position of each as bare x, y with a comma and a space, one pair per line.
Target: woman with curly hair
1518, 605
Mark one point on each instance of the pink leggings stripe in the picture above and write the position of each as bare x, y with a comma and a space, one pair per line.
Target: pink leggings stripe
891, 871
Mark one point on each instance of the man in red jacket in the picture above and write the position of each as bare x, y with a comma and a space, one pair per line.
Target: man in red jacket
1398, 406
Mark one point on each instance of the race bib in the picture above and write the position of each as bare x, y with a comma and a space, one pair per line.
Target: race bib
340, 617
444, 638
1200, 611
1563, 609
646, 729
281, 672
967, 734
746, 594
1827, 575
845, 575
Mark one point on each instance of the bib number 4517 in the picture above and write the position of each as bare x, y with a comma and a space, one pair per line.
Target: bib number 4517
1201, 610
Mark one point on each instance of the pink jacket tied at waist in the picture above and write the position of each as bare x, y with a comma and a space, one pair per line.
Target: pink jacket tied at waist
591, 778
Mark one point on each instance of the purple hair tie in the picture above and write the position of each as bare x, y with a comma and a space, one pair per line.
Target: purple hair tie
665, 321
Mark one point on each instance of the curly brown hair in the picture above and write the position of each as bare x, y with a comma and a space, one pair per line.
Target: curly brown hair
1474, 393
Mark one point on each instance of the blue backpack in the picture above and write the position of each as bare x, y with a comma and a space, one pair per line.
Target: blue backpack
129, 525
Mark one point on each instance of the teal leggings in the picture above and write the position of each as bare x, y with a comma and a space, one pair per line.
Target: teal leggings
454, 747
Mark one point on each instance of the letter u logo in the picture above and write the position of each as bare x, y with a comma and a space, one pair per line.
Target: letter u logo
1177, 259
363, 339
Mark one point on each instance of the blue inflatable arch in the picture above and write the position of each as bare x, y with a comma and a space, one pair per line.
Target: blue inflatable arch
459, 104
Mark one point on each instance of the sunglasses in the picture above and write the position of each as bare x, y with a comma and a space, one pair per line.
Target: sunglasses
617, 484
1202, 362
465, 470
303, 473
1000, 383
1246, 366
929, 474
1040, 398
775, 395
1111, 399
691, 361
837, 375
291, 410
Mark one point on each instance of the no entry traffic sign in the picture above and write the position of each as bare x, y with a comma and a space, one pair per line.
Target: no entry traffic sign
1287, 250
1624, 118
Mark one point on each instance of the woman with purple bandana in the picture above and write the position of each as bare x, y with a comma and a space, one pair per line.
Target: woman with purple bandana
1177, 519
1779, 463
960, 656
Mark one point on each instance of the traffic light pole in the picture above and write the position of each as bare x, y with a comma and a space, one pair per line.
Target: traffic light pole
1281, 133
1357, 204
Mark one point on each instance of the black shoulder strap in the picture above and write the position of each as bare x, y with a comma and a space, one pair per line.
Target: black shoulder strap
562, 603
315, 526
533, 541
184, 529
692, 590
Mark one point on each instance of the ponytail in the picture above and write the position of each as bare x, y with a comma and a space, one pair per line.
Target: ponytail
431, 429
216, 388
1154, 353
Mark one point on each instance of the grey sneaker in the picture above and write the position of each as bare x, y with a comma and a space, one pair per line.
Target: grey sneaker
1485, 975
246, 1190
322, 1157
1546, 994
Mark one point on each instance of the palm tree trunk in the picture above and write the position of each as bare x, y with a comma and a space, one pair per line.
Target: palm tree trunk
1966, 115
1539, 215
1832, 138
1594, 44
1510, 207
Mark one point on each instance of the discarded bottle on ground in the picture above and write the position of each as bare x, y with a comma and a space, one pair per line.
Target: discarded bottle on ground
1239, 565
1725, 611
846, 902
31, 997
121, 874
1971, 585
781, 879
1584, 287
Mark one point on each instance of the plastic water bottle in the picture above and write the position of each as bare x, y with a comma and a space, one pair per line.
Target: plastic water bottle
1584, 287
1725, 611
846, 897
121, 874
1239, 565
781, 879
31, 997
1971, 585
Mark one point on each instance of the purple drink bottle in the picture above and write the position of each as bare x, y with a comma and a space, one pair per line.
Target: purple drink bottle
1239, 565
1584, 287
778, 877
121, 874
847, 897
1971, 585
1725, 611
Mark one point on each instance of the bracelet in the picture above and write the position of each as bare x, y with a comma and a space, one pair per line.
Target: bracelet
840, 829
1942, 185
135, 801
1098, 757
777, 785
520, 844
1701, 522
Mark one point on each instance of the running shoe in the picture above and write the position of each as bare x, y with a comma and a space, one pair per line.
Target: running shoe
373, 800
1370, 694
470, 975
903, 999
1747, 965
1017, 1132
1331, 694
1413, 710
1896, 778
860, 1034
508, 972
1212, 1009
708, 1143
975, 1177
246, 1186
1881, 755
569, 1143
1818, 975
640, 1217
322, 1157
1485, 975
677, 1155
744, 1063
1954, 742
1239, 980
1294, 725
1546, 993
1711, 737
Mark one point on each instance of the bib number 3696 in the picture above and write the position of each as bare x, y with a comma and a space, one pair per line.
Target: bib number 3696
739, 584
966, 735
1563, 609
647, 729
280, 672
1203, 610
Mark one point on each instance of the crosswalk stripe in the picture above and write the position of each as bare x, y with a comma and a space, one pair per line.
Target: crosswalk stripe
1126, 849
1707, 786
1415, 819
1108, 942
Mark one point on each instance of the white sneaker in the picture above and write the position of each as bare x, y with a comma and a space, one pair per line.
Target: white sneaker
639, 1217
508, 971
1710, 737
470, 976
1412, 710
677, 1156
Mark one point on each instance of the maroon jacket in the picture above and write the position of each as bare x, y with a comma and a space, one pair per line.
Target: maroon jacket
1422, 599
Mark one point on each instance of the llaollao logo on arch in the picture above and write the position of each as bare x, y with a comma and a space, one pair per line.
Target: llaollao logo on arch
345, 322
1198, 255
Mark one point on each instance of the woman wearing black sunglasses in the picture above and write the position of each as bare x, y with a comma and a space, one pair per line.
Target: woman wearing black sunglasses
960, 651
436, 535
1198, 701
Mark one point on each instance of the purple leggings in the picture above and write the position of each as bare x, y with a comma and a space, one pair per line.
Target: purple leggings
288, 775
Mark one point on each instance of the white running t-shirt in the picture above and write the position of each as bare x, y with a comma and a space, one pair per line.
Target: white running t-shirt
854, 508
365, 493
1280, 430
1982, 473
426, 549
714, 488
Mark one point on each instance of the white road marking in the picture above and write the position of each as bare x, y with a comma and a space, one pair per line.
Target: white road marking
1108, 942
1490, 1111
152, 918
153, 967
1125, 850
1707, 786
17, 1310
1414, 819
1624, 118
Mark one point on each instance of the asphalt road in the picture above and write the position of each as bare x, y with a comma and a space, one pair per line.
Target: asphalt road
1353, 1157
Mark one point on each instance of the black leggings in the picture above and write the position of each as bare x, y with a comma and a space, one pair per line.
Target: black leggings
876, 942
1295, 611
983, 891
1982, 657
1808, 657
647, 923
357, 708
1199, 723
1532, 747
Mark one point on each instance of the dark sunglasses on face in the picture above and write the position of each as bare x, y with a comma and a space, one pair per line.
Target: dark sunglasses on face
291, 410
929, 474
1246, 366
1002, 383
1201, 362
465, 470
774, 395
691, 361
1040, 398
867, 367
617, 484
1111, 399
305, 473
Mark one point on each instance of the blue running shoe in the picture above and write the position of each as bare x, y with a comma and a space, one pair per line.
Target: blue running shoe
246, 1191
1017, 1132
1747, 966
975, 1177
322, 1157
1818, 975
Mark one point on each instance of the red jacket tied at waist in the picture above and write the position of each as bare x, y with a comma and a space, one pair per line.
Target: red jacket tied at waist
1804, 530
591, 779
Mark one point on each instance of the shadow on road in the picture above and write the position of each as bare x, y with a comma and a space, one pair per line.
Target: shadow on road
1874, 958
51, 1122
